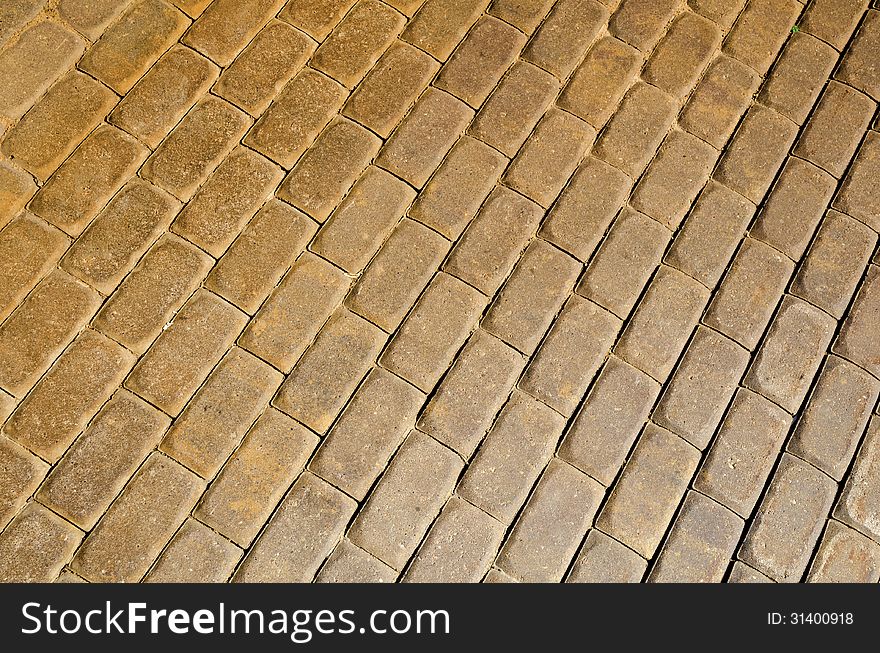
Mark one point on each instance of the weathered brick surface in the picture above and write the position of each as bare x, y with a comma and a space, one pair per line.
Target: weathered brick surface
742, 573
859, 68
91, 18
857, 505
857, 340
36, 545
439, 25
760, 32
845, 556
833, 21
16, 189
226, 26
351, 564
20, 474
605, 560
525, 14
196, 554
857, 196
565, 35
682, 54
640, 22
315, 18
723, 12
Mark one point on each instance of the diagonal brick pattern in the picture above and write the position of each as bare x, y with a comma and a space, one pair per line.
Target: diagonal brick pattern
433, 290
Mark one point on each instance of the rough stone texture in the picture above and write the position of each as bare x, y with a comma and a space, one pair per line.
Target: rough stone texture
742, 573
857, 340
845, 556
858, 196
857, 505
605, 560
21, 472
640, 22
565, 34
36, 545
351, 564
317, 19
226, 26
682, 54
760, 32
439, 25
16, 188
833, 21
196, 554
860, 68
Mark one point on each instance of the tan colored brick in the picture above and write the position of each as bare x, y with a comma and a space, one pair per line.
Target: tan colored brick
327, 170
252, 482
95, 469
152, 294
302, 533
609, 420
123, 545
68, 576
16, 188
858, 336
389, 90
857, 506
259, 257
407, 7
164, 95
362, 222
7, 403
315, 18
328, 373
36, 545
723, 12
605, 560
227, 26
845, 556
509, 461
41, 327
744, 303
219, 415
458, 187
683, 54
439, 25
760, 32
550, 156
128, 48
833, 21
16, 14
259, 73
397, 275
193, 8
30, 65
181, 358
742, 455
20, 474
640, 22
196, 554
351, 564
565, 35
534, 293
858, 194
624, 263
497, 576
859, 67
742, 573
525, 14
91, 17
719, 100
358, 41
53, 128
367, 433
196, 146
289, 320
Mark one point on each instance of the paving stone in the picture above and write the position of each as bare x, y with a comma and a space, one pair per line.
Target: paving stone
828, 276
516, 450
259, 73
68, 576
439, 25
368, 432
857, 506
526, 15
645, 498
845, 556
722, 12
296, 117
719, 100
119, 236
791, 353
458, 187
21, 472
860, 68
610, 419
301, 534
682, 54
784, 532
534, 293
641, 22
16, 14
742, 573
16, 188
552, 525
635, 131
289, 320
358, 41
53, 128
834, 420
742, 455
700, 544
196, 554
749, 293
317, 19
425, 136
462, 408
228, 200
605, 560
227, 26
858, 335
41, 327
406, 7
36, 545
492, 244
153, 292
624, 263
550, 156
29, 249
798, 76
599, 82
858, 194
328, 169
219, 415
70, 393
259, 257
833, 21
427, 341
406, 500
7, 403
193, 8
123, 545
564, 36
133, 43
702, 387
256, 476
164, 95
30, 65
328, 373
497, 576
835, 129
351, 564
90, 18
480, 60
183, 356
95, 469
389, 90
397, 275
580, 217
761, 30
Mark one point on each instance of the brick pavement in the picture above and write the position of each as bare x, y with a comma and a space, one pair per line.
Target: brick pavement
434, 290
